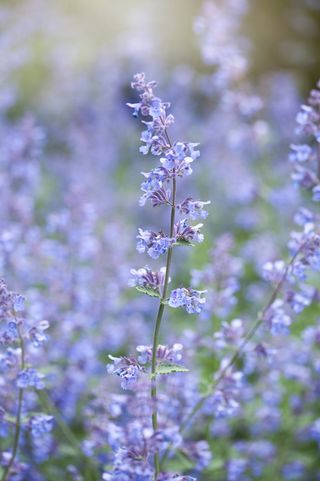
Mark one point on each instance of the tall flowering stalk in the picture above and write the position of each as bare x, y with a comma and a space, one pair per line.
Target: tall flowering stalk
175, 162
160, 188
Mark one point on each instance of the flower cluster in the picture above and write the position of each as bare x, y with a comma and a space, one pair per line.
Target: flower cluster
193, 208
164, 353
190, 299
175, 160
305, 156
30, 378
145, 277
219, 47
127, 369
18, 337
155, 244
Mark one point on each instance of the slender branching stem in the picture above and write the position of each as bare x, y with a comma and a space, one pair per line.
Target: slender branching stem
249, 335
17, 431
50, 407
159, 319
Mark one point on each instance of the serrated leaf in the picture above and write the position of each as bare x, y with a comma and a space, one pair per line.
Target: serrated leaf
166, 367
184, 243
148, 290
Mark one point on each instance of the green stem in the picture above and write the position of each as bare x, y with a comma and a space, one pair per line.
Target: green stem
49, 406
17, 432
157, 328
238, 352
154, 385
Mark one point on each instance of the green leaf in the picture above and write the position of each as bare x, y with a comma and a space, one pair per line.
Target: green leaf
167, 367
185, 461
184, 243
216, 464
148, 290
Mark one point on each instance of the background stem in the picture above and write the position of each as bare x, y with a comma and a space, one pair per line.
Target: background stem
238, 352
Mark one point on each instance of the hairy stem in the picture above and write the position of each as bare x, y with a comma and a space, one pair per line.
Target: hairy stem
159, 319
249, 335
17, 432
157, 328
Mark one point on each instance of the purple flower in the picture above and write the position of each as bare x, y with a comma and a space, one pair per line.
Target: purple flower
179, 158
190, 299
37, 334
315, 431
40, 424
193, 208
160, 197
154, 183
150, 106
277, 319
293, 471
186, 232
19, 303
128, 369
316, 193
130, 463
231, 333
175, 477
235, 469
298, 301
301, 153
144, 277
30, 378
155, 244
224, 401
200, 453
304, 216
164, 353
273, 271
177, 297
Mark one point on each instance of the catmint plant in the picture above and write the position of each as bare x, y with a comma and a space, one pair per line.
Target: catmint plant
292, 293
160, 188
18, 337
304, 242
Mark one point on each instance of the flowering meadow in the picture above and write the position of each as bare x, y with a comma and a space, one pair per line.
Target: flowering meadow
160, 240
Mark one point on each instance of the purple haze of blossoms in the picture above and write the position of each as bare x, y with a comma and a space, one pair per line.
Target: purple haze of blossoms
59, 258
304, 243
